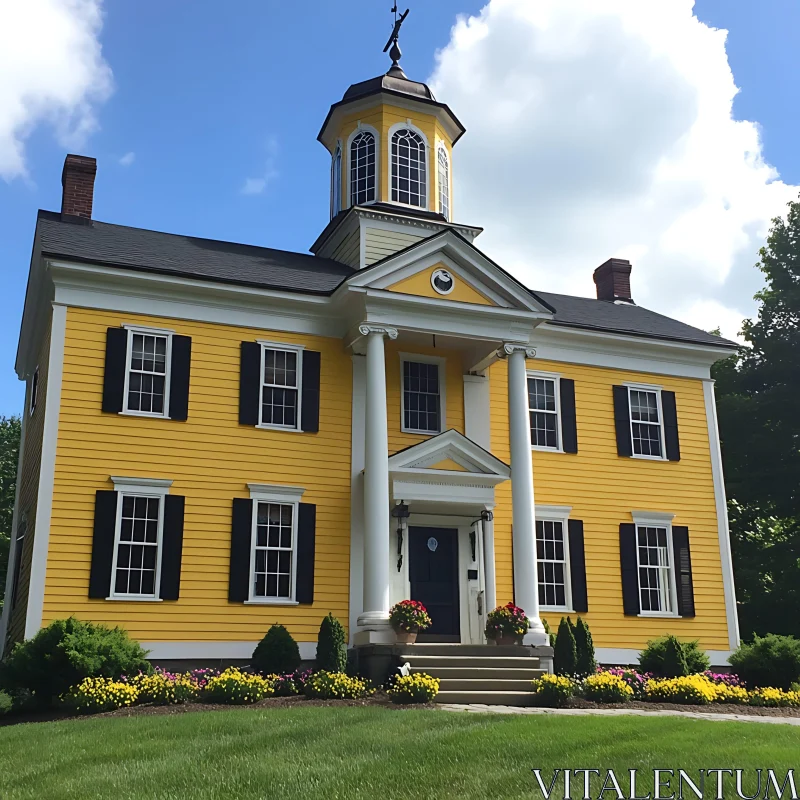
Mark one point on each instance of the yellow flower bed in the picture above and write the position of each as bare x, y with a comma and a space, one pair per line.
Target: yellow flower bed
774, 698
238, 688
94, 695
731, 694
165, 690
416, 688
553, 690
690, 689
603, 687
336, 686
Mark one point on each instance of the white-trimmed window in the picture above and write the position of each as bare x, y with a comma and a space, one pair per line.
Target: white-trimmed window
138, 538
409, 169
544, 406
423, 389
336, 181
147, 372
34, 391
281, 385
647, 429
363, 161
273, 560
443, 166
552, 558
655, 566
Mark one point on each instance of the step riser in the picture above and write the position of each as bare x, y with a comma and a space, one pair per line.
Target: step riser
474, 662
483, 685
487, 698
485, 650
480, 674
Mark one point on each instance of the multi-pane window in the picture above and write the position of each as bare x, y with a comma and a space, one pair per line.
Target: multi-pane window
147, 373
444, 183
362, 169
543, 408
280, 387
654, 562
336, 182
421, 397
136, 564
409, 176
645, 423
273, 551
551, 555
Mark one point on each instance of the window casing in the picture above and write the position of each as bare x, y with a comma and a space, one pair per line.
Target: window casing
552, 563
336, 181
147, 372
409, 169
655, 568
281, 386
363, 161
34, 391
647, 422
423, 391
443, 166
544, 406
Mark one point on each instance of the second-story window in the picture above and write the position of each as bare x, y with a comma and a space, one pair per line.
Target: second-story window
444, 182
543, 406
362, 169
147, 384
336, 182
280, 387
423, 395
409, 174
646, 433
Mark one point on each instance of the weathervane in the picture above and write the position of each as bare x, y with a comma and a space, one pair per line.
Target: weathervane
395, 53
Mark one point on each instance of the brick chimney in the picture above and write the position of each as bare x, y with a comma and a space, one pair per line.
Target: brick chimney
613, 280
77, 179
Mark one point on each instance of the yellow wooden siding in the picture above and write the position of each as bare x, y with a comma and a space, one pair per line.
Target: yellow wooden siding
29, 489
454, 392
210, 458
448, 464
603, 489
420, 285
380, 244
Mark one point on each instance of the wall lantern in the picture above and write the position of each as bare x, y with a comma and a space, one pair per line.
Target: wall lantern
401, 513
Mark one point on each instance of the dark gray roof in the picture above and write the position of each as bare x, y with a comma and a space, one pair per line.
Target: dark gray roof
167, 253
395, 80
603, 315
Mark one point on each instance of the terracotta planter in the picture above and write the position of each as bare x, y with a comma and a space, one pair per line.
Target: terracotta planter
403, 637
507, 639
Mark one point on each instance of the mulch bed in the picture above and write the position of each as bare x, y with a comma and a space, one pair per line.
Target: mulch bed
712, 708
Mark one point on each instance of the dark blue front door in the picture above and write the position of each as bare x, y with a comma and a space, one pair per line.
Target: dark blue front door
433, 572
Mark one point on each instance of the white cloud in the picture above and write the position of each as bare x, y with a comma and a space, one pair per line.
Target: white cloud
259, 184
51, 71
599, 128
127, 159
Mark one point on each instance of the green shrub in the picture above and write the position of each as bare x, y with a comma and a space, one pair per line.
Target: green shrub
415, 688
585, 663
550, 635
771, 660
237, 688
6, 704
93, 695
277, 653
553, 691
565, 655
67, 651
331, 646
336, 686
651, 659
674, 664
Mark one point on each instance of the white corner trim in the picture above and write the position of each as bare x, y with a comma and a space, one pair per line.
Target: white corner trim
275, 492
547, 512
624, 655
159, 486
199, 651
652, 517
47, 472
723, 528
477, 410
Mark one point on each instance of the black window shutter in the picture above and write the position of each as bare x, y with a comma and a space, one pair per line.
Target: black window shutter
671, 439
569, 423
630, 572
114, 372
105, 522
577, 566
241, 540
683, 570
250, 384
179, 377
306, 535
172, 547
309, 414
622, 420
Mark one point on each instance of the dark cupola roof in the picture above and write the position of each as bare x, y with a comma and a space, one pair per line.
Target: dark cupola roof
395, 81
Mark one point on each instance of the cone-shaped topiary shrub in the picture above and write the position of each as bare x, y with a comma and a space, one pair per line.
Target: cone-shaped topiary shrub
651, 659
585, 663
331, 646
675, 665
565, 654
277, 653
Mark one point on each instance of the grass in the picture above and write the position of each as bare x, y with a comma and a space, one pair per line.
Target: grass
375, 753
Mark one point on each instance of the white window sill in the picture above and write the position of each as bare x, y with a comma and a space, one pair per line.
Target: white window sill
556, 610
542, 449
648, 458
419, 433
135, 598
143, 414
265, 427
271, 601
657, 615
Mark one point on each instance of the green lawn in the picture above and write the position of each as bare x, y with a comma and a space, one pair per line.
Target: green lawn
371, 752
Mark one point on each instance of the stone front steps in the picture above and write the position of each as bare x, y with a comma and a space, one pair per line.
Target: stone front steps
477, 673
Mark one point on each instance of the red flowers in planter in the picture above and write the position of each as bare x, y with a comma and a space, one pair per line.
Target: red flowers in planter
409, 616
507, 620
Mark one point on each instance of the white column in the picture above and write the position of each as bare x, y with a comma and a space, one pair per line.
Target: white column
375, 615
490, 591
526, 589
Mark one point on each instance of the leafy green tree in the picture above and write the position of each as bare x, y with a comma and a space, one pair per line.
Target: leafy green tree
331, 646
757, 393
9, 455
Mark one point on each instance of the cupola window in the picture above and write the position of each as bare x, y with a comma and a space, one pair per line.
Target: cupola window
362, 169
336, 182
409, 179
444, 182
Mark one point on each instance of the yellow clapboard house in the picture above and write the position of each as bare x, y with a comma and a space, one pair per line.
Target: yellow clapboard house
218, 437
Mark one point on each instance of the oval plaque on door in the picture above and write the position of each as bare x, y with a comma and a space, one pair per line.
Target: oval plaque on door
433, 543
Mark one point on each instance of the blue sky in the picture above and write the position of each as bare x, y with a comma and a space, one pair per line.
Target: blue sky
206, 100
